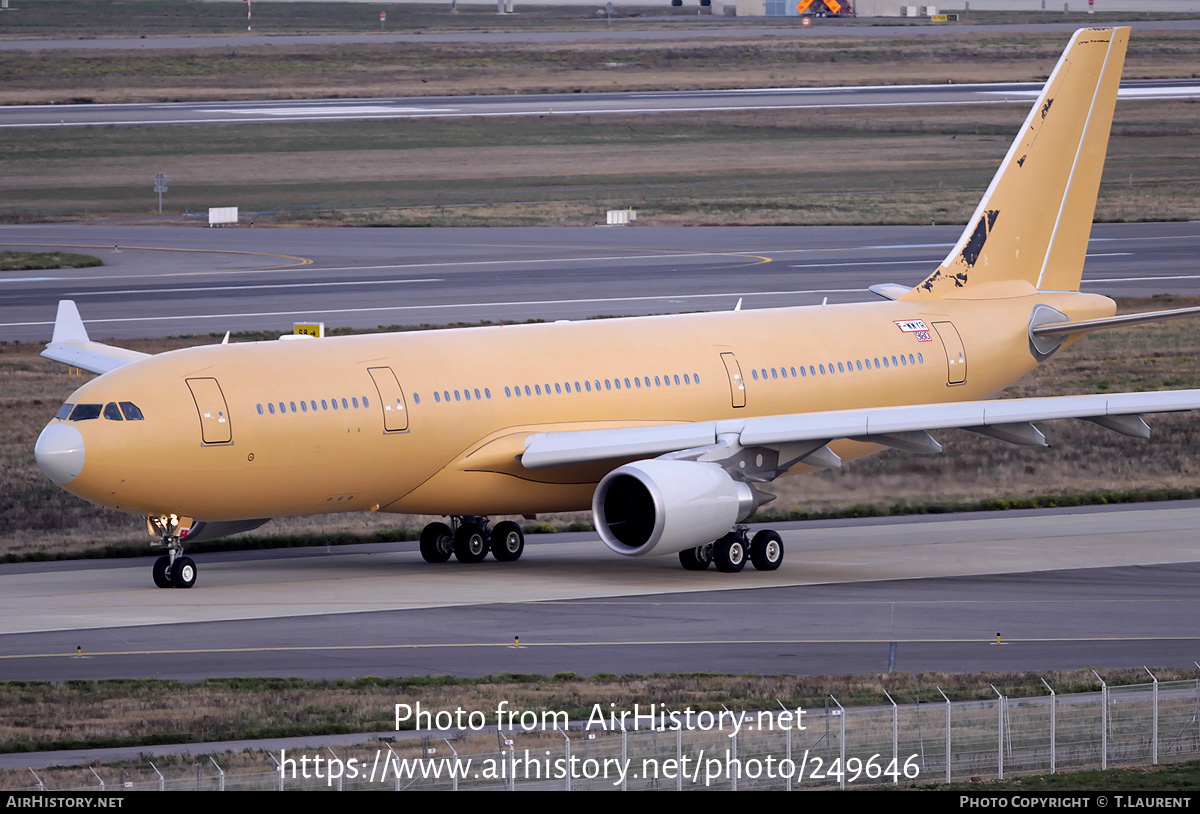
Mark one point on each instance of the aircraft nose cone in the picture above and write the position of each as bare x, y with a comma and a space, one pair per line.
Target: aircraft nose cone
59, 452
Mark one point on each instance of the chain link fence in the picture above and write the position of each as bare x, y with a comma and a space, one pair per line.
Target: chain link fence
928, 742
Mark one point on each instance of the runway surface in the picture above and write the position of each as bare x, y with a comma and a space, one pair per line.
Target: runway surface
164, 281
564, 104
1064, 589
711, 30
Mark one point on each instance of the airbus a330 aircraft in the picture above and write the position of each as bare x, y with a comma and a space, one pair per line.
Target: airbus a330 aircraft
665, 426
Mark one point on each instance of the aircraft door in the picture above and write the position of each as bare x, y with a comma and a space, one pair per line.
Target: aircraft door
391, 398
956, 355
214, 413
737, 385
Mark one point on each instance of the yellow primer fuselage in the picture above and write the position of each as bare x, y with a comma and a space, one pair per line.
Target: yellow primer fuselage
459, 453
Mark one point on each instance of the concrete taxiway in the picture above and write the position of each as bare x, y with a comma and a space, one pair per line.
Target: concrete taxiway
162, 281
1106, 586
562, 104
713, 30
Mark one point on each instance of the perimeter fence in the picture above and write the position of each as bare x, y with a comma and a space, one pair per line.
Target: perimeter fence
737, 751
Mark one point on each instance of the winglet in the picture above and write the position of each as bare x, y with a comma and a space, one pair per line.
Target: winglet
68, 326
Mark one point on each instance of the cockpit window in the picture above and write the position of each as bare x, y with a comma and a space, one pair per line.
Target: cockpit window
131, 411
83, 412
64, 411
111, 412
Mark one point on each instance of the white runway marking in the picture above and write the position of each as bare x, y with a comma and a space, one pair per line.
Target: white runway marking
249, 287
441, 306
1184, 92
862, 263
333, 110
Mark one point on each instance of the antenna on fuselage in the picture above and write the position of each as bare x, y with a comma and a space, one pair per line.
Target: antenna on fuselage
225, 341
738, 307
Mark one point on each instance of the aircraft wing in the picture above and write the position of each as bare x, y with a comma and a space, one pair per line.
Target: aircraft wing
803, 436
71, 346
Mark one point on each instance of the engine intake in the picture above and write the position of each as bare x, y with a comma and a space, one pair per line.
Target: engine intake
664, 507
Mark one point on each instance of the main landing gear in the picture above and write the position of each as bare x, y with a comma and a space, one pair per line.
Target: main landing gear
469, 539
764, 550
172, 570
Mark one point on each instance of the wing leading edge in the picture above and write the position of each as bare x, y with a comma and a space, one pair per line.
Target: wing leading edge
904, 427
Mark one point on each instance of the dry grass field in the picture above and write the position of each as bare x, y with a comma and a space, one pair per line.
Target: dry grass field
38, 715
440, 68
897, 165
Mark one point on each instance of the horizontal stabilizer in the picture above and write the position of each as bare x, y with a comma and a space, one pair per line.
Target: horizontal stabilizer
889, 291
71, 346
1084, 326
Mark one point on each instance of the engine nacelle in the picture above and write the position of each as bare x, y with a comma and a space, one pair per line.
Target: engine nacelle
664, 507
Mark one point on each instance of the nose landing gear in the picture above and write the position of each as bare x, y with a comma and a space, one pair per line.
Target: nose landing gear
172, 570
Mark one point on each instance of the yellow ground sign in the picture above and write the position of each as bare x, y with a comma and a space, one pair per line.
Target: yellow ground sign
316, 329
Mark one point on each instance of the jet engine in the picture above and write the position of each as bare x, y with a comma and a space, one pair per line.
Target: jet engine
664, 507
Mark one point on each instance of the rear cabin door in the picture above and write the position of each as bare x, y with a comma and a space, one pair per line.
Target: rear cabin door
214, 413
391, 399
956, 356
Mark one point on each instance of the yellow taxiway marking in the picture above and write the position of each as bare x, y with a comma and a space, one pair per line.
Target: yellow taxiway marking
508, 645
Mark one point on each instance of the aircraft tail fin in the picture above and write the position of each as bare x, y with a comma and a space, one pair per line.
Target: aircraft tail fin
1033, 223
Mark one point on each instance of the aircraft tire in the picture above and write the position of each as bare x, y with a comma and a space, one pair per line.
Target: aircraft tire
161, 578
766, 550
696, 559
470, 543
437, 543
508, 541
729, 553
183, 575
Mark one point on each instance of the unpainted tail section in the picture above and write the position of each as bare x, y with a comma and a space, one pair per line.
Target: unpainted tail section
1033, 223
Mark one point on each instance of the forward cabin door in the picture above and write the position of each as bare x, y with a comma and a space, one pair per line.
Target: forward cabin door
737, 385
391, 399
956, 355
214, 413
